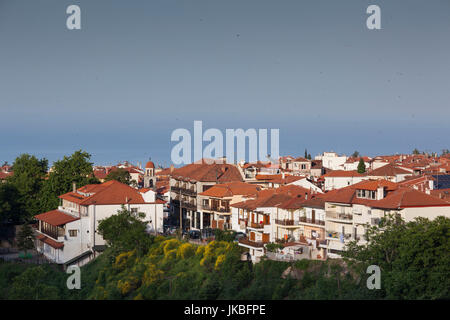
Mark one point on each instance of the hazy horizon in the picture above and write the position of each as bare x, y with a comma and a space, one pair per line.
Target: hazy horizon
138, 70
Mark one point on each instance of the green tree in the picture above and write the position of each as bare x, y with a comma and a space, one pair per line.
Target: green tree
413, 257
120, 175
25, 238
11, 209
73, 169
355, 154
361, 166
416, 151
126, 231
31, 285
306, 154
224, 235
445, 152
28, 179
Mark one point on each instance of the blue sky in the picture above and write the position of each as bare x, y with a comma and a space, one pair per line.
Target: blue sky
137, 70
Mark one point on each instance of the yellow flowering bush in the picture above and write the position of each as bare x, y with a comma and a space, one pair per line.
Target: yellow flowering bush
186, 250
125, 286
170, 245
123, 259
170, 255
200, 251
151, 275
219, 261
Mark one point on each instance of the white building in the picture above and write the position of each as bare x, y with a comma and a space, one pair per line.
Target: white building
340, 178
350, 210
69, 234
331, 160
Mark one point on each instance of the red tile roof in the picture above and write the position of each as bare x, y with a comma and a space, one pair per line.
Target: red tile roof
375, 184
208, 172
388, 170
230, 189
50, 242
56, 217
4, 175
111, 192
278, 178
406, 197
342, 173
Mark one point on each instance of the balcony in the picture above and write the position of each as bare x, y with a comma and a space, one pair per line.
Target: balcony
242, 221
256, 225
340, 217
255, 244
337, 235
189, 205
311, 221
186, 191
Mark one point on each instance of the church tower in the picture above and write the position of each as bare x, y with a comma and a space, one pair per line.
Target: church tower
149, 176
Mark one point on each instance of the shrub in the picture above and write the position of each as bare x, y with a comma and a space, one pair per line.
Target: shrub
220, 259
185, 251
170, 245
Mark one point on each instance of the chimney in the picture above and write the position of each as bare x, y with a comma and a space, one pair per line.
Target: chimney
74, 187
380, 192
282, 175
172, 168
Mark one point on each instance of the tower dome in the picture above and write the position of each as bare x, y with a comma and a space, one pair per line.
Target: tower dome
150, 165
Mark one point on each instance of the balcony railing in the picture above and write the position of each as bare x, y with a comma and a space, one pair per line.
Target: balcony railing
337, 235
256, 244
287, 222
216, 209
257, 225
189, 205
187, 191
242, 221
340, 216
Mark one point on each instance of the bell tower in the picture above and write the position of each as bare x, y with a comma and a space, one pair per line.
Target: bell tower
149, 176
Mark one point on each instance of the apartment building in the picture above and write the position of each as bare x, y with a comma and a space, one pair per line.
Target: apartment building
256, 217
215, 203
190, 180
68, 235
350, 210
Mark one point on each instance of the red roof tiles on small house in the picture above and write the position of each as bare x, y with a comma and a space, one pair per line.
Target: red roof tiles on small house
388, 170
50, 242
56, 218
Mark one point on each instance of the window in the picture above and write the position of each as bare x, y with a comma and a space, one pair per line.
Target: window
73, 233
134, 210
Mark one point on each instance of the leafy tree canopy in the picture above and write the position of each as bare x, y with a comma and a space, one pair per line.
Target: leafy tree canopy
11, 209
28, 180
120, 175
413, 257
75, 168
25, 238
126, 231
